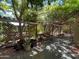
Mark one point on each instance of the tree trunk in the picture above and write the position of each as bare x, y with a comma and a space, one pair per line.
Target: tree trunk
8, 34
52, 28
76, 31
20, 30
28, 30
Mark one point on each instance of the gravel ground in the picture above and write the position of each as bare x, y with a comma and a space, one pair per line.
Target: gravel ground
59, 49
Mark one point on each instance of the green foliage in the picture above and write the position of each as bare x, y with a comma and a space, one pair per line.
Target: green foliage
30, 16
4, 6
37, 12
67, 10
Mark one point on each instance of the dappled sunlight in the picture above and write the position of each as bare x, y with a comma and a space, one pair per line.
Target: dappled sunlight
48, 48
39, 29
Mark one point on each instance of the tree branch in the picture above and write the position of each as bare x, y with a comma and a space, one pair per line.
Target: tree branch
14, 9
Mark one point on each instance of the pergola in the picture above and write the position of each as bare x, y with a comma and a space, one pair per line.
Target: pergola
14, 23
49, 27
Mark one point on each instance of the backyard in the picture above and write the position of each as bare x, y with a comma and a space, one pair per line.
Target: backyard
39, 29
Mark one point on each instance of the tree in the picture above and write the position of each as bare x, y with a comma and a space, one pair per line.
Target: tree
19, 6
74, 12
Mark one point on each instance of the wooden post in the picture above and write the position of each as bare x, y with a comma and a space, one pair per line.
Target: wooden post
36, 31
